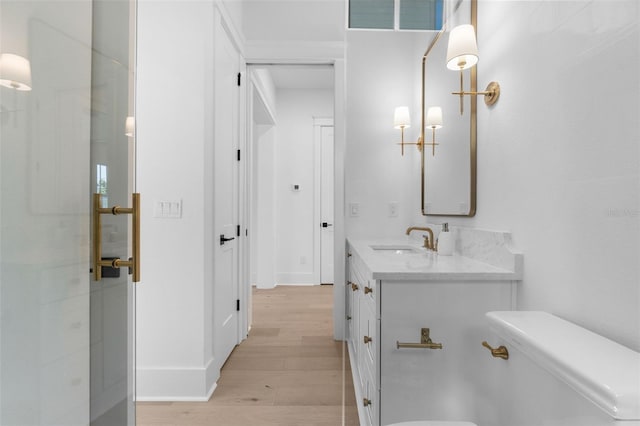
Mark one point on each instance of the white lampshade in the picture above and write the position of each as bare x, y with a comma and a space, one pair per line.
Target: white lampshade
434, 117
129, 126
401, 117
15, 72
462, 51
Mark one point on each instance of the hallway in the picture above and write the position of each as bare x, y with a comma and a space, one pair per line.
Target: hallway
288, 372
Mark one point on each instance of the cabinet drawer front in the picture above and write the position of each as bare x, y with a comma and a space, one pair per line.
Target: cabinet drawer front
435, 383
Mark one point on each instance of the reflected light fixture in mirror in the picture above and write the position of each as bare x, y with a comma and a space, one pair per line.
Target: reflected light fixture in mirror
15, 72
402, 120
434, 121
462, 53
129, 126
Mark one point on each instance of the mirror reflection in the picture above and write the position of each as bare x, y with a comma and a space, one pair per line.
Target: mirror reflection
449, 157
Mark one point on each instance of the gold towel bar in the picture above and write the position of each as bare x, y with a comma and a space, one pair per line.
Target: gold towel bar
425, 342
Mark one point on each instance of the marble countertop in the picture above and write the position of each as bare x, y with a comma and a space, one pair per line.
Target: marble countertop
414, 263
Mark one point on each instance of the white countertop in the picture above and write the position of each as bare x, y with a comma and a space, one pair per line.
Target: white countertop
419, 264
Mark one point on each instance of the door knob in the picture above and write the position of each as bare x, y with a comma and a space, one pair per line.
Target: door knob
326, 225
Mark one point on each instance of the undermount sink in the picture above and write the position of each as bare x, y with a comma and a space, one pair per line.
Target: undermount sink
395, 249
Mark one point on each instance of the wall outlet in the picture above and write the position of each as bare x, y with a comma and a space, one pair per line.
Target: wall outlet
393, 209
354, 209
303, 260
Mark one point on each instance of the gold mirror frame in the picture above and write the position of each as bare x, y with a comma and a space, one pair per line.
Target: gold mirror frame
472, 124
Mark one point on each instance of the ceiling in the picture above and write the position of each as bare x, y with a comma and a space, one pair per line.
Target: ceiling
301, 76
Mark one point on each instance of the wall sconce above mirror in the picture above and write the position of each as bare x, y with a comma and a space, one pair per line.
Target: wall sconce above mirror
462, 53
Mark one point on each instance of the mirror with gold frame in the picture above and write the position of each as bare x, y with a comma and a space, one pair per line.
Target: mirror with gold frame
449, 154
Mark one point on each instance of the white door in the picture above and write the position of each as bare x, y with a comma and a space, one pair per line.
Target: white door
326, 204
225, 262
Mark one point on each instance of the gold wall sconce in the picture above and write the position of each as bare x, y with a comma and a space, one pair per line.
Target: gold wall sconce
402, 120
462, 53
15, 72
434, 121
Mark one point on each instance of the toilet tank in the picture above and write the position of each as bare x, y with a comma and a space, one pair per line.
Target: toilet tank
557, 374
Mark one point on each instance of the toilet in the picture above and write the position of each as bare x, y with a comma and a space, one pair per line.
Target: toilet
556, 373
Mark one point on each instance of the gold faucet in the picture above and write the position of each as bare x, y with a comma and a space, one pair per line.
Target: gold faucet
428, 239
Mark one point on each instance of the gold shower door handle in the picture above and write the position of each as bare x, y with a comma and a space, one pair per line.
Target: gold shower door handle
134, 262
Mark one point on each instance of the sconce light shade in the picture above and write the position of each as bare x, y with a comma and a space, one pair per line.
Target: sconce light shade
129, 126
401, 118
462, 50
15, 72
434, 117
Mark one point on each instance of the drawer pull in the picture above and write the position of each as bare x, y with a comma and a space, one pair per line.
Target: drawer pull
499, 352
368, 290
367, 339
354, 287
366, 402
425, 342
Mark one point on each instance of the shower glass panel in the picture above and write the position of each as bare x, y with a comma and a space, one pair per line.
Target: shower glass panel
53, 332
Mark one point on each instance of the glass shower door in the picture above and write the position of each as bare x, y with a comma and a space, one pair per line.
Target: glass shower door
112, 172
66, 341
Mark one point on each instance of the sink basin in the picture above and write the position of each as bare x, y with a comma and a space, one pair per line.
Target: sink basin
395, 249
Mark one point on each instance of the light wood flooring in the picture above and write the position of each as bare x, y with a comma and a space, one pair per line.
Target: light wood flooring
289, 371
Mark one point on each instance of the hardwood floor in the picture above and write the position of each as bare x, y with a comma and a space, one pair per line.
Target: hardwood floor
289, 371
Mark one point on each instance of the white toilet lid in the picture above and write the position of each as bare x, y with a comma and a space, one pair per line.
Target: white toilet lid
433, 423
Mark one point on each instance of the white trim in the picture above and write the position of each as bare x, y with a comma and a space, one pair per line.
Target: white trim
318, 124
177, 384
295, 278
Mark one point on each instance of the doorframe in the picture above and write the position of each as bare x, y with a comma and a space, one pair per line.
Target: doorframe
339, 143
318, 124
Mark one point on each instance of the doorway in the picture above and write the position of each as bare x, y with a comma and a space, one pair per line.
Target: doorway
290, 114
291, 109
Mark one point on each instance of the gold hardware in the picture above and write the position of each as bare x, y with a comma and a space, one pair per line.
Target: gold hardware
425, 342
367, 339
366, 402
134, 262
499, 352
491, 93
368, 290
402, 120
428, 240
354, 286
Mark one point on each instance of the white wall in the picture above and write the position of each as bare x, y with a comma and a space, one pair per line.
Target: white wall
174, 129
294, 164
383, 71
558, 155
263, 231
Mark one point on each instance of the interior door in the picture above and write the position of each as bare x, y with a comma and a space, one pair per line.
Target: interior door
326, 204
225, 262
115, 231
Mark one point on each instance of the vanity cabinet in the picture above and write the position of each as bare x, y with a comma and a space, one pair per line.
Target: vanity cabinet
402, 384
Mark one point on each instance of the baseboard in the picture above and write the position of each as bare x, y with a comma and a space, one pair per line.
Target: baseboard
176, 384
295, 278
